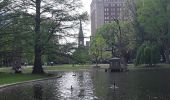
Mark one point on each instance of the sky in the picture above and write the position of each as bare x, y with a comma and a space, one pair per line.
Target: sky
86, 26
86, 4
86, 7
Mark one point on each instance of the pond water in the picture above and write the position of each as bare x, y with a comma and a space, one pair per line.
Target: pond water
141, 84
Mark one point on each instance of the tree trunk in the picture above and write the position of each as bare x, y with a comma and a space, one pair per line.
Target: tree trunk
37, 69
112, 52
16, 63
124, 63
167, 56
96, 59
101, 57
96, 62
166, 31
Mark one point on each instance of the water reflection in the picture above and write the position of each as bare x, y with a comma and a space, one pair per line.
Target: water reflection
38, 91
95, 85
75, 86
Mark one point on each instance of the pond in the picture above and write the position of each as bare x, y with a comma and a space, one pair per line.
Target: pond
139, 84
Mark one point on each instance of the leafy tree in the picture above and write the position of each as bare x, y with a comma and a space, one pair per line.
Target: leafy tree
52, 19
81, 55
148, 53
117, 35
153, 16
60, 14
15, 33
108, 33
97, 47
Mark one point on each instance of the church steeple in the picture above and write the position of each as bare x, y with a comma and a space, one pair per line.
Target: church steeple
81, 36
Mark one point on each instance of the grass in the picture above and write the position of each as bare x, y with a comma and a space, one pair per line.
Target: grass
67, 67
76, 67
7, 75
7, 78
143, 66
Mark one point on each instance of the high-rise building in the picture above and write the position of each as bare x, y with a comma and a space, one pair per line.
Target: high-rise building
105, 11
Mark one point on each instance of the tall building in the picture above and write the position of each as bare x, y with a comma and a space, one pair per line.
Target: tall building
104, 11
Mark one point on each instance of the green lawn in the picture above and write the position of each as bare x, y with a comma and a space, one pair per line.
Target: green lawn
67, 67
9, 70
7, 78
132, 66
7, 75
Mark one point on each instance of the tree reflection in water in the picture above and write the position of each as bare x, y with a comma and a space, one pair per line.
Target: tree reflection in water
137, 84
38, 91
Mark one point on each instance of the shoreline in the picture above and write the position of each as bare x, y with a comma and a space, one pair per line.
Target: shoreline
29, 81
103, 66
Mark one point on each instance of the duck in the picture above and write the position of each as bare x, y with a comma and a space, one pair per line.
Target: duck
74, 75
59, 76
71, 88
114, 86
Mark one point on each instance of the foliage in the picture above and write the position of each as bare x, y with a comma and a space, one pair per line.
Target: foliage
119, 38
153, 19
148, 53
28, 37
150, 20
81, 55
108, 33
97, 47
7, 78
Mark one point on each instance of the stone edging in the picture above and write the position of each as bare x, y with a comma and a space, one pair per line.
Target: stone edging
17, 83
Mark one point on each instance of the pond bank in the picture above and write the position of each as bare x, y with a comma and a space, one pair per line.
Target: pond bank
95, 85
27, 81
11, 78
7, 78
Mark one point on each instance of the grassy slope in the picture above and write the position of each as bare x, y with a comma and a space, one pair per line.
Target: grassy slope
131, 66
57, 68
67, 67
6, 78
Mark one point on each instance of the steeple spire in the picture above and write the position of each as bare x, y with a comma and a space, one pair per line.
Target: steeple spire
81, 36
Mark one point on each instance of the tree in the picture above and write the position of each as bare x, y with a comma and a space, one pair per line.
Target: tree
148, 53
118, 35
38, 46
52, 19
81, 55
108, 33
60, 14
97, 47
150, 23
153, 17
15, 33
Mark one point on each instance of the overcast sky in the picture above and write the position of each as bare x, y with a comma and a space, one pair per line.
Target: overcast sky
86, 7
86, 4
86, 26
